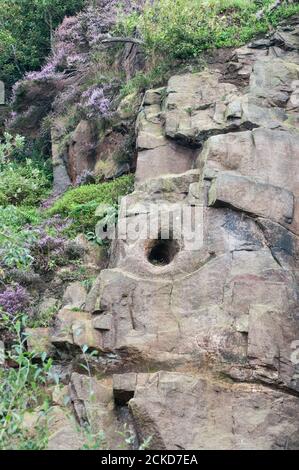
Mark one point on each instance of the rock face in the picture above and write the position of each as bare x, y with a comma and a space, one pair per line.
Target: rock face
217, 319
212, 308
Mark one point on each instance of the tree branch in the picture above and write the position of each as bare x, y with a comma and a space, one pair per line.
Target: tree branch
139, 42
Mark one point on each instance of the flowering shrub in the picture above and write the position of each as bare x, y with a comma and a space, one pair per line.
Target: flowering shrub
27, 241
94, 103
14, 299
47, 251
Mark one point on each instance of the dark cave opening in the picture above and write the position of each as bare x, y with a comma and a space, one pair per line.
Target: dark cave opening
162, 252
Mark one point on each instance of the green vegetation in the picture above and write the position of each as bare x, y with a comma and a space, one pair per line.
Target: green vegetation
22, 180
15, 235
34, 20
180, 30
25, 184
80, 204
21, 390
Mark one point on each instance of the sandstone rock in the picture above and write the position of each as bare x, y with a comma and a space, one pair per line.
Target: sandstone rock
75, 328
154, 96
157, 155
64, 433
103, 322
95, 256
218, 320
287, 38
94, 404
81, 150
128, 106
208, 107
124, 386
39, 341
271, 156
91, 304
61, 179
164, 160
272, 80
248, 195
175, 411
74, 296
60, 395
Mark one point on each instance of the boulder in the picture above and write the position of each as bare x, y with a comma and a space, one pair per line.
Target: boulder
250, 196
95, 256
184, 411
75, 328
93, 402
64, 433
74, 296
39, 341
81, 150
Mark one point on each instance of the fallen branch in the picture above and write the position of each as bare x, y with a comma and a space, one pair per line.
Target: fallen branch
139, 42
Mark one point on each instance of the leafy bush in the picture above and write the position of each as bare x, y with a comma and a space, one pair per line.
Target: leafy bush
182, 29
21, 389
11, 148
16, 236
27, 240
25, 183
80, 204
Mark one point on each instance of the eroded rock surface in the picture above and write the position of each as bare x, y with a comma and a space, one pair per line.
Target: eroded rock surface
215, 318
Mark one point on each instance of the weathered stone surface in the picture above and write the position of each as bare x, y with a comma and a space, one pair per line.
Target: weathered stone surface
64, 433
74, 296
93, 402
154, 96
192, 102
75, 328
272, 80
124, 386
95, 256
164, 160
111, 160
61, 177
81, 150
248, 195
39, 340
103, 322
216, 320
270, 156
189, 412
221, 318
157, 155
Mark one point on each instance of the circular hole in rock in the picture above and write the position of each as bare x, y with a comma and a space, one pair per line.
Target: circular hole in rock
162, 252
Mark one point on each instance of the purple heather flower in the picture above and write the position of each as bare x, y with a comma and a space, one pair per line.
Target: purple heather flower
95, 103
14, 300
